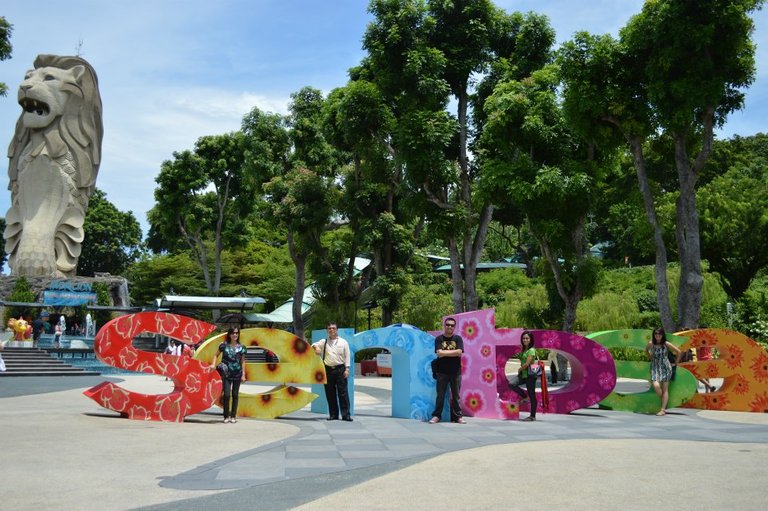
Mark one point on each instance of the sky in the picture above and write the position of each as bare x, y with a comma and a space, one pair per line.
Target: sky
171, 71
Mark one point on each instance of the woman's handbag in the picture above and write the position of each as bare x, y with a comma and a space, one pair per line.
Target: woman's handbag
223, 370
535, 369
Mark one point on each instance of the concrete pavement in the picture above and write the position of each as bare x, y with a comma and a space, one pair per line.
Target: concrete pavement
62, 451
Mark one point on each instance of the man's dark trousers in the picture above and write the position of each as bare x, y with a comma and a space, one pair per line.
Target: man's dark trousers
443, 381
336, 388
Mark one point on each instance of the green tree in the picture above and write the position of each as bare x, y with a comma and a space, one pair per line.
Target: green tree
534, 161
112, 238
203, 195
154, 276
21, 293
734, 224
5, 47
678, 69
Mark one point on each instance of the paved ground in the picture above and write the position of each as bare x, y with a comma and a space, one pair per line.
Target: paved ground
62, 451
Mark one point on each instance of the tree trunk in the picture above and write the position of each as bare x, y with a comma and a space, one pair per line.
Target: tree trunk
662, 287
299, 260
456, 278
470, 265
687, 236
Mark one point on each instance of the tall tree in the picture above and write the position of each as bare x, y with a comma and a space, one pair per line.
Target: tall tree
360, 122
302, 198
5, 47
678, 68
734, 223
203, 196
535, 162
112, 238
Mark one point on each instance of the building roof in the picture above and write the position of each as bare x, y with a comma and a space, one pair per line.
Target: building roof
209, 302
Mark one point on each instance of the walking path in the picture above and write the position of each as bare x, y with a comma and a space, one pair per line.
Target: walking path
63, 451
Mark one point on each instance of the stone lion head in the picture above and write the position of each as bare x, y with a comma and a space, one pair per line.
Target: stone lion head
60, 99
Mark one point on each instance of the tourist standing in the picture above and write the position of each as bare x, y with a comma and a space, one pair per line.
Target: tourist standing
525, 375
658, 350
334, 351
57, 335
232, 372
448, 348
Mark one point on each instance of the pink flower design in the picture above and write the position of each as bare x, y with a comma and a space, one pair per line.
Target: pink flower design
488, 376
470, 330
510, 409
578, 342
592, 398
550, 340
486, 350
607, 380
600, 353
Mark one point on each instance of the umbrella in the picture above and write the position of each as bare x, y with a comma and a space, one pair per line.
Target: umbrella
234, 317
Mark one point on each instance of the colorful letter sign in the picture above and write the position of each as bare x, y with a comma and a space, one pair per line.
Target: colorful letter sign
196, 385
681, 389
298, 363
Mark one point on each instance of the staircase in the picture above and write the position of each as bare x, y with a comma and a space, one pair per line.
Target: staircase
37, 362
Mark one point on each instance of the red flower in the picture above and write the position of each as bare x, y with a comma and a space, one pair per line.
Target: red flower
125, 326
510, 409
473, 401
166, 324
115, 398
741, 385
712, 371
734, 356
193, 383
703, 338
760, 403
716, 401
300, 346
139, 413
194, 331
172, 408
128, 357
488, 376
760, 367
470, 330
485, 350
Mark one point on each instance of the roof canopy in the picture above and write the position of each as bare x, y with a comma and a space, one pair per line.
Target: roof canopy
209, 302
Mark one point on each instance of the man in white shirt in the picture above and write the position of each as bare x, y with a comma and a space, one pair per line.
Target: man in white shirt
335, 353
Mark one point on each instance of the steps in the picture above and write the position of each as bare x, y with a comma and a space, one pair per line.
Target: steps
37, 362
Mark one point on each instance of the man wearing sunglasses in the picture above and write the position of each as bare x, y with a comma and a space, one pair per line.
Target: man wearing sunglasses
448, 348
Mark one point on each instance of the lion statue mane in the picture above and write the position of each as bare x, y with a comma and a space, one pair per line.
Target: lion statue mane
54, 159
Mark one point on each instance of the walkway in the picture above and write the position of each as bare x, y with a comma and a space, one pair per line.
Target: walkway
585, 460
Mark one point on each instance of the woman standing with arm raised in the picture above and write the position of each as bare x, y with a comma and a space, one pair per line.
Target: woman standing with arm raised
661, 368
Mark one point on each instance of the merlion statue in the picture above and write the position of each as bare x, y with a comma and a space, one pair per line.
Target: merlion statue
54, 158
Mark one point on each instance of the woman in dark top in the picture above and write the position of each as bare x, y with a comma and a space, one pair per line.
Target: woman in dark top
233, 357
